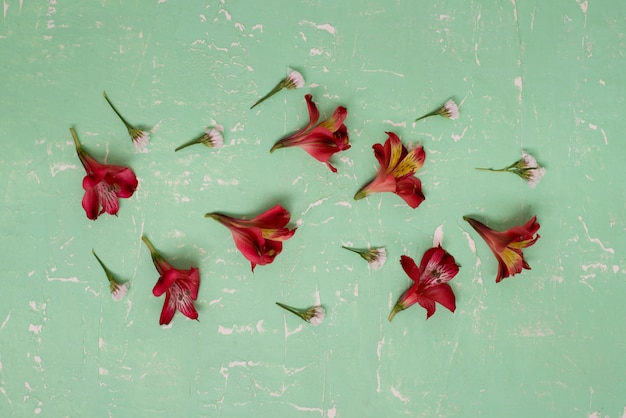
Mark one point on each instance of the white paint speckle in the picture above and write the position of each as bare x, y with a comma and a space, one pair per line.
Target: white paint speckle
595, 240
398, 395
438, 236
35, 329
325, 27
519, 84
56, 168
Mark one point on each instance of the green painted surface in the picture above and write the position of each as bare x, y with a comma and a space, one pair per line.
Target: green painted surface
546, 77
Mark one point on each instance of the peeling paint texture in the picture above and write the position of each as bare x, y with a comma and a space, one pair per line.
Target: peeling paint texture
542, 77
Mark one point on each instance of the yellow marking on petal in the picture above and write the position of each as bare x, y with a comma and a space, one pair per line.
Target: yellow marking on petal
409, 165
510, 258
520, 244
396, 151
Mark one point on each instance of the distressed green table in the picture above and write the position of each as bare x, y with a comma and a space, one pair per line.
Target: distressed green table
545, 77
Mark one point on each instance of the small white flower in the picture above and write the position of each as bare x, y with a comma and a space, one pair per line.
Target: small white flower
317, 315
140, 138
530, 170
213, 138
118, 291
450, 110
294, 79
376, 256
314, 315
527, 168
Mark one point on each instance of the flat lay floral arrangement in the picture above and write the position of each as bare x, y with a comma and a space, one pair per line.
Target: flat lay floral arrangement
260, 237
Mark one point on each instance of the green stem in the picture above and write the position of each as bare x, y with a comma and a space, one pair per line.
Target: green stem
351, 249
108, 272
275, 90
153, 250
290, 309
192, 142
394, 311
493, 169
128, 125
433, 113
77, 143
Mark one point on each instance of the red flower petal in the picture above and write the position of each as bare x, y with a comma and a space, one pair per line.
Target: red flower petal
169, 308
442, 294
410, 268
410, 190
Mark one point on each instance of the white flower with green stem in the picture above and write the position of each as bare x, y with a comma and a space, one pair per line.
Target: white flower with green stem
314, 315
118, 289
375, 256
139, 136
293, 80
449, 110
211, 138
527, 168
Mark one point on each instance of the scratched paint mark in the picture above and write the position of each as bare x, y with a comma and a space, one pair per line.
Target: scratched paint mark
595, 240
56, 168
396, 393
4, 323
396, 124
519, 84
379, 350
324, 27
308, 409
438, 236
456, 137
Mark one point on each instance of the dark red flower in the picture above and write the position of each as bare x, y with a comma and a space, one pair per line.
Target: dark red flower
104, 184
180, 287
321, 140
507, 246
396, 171
259, 239
429, 282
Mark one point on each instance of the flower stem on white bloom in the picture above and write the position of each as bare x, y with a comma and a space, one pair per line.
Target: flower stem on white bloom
527, 168
376, 256
118, 290
212, 138
139, 137
313, 315
449, 110
294, 80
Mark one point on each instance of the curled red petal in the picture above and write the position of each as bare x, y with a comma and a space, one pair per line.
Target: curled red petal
166, 281
169, 308
273, 218
91, 203
442, 294
410, 190
410, 268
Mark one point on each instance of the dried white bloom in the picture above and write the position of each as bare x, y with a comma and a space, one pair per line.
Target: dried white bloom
212, 138
376, 256
314, 315
449, 110
294, 79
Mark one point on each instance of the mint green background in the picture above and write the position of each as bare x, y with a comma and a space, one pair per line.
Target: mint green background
546, 77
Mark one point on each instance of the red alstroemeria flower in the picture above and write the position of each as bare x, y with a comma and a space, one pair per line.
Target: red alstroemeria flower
429, 282
507, 246
396, 171
320, 140
104, 184
259, 239
180, 287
